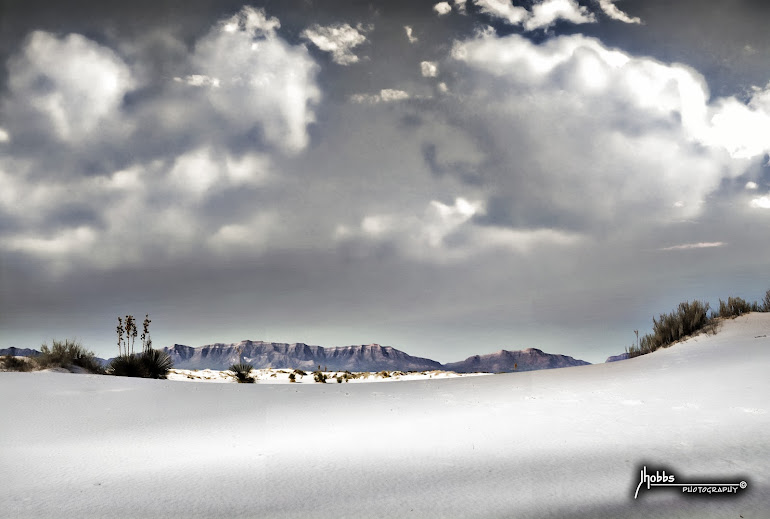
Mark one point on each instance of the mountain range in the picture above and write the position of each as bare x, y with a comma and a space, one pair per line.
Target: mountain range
366, 357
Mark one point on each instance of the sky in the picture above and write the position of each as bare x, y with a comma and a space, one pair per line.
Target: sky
448, 178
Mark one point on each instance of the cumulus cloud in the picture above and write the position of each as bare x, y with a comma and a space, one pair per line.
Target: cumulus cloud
549, 12
543, 14
198, 80
442, 8
447, 233
386, 95
429, 68
761, 202
504, 10
70, 84
578, 96
611, 10
4, 136
264, 82
409, 34
211, 135
337, 39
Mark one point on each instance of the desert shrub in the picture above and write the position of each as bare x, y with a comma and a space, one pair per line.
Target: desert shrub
735, 306
126, 365
242, 373
339, 380
687, 319
319, 376
299, 372
765, 307
11, 363
67, 353
148, 364
292, 377
384, 374
156, 363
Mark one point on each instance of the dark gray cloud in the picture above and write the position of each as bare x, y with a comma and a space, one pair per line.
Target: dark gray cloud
208, 165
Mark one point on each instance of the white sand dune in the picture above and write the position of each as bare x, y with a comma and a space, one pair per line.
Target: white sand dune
557, 443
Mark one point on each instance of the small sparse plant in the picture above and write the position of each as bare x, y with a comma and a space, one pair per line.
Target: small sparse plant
292, 377
319, 376
242, 373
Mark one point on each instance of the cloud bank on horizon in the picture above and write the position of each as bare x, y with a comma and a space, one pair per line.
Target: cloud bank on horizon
440, 173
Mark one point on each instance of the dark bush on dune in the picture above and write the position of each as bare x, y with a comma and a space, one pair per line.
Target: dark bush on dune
687, 319
691, 318
11, 363
156, 363
148, 364
66, 354
242, 373
736, 306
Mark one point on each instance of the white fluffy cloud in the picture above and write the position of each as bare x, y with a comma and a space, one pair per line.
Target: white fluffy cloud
549, 12
255, 79
762, 202
241, 80
73, 84
611, 10
543, 14
446, 233
578, 96
337, 39
504, 10
429, 68
442, 8
409, 34
386, 95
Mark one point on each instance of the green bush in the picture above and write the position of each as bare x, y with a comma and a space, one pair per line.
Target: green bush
127, 366
11, 363
156, 363
735, 306
687, 319
242, 373
148, 364
67, 354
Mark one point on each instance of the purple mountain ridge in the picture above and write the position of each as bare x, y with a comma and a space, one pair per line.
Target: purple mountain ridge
260, 354
530, 359
368, 357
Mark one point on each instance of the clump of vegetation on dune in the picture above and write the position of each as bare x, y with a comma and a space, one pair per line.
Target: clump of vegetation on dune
242, 373
691, 318
150, 363
11, 363
68, 354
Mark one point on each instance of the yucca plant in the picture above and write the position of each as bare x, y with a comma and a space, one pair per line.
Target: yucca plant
242, 373
127, 366
156, 363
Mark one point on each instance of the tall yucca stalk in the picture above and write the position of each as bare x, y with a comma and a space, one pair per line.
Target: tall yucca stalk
146, 341
120, 331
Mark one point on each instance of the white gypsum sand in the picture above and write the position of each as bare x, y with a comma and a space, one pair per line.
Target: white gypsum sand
555, 443
281, 376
